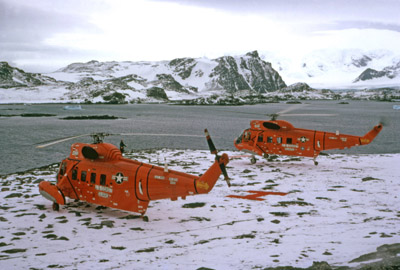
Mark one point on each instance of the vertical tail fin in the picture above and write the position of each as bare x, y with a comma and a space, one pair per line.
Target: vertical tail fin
370, 136
207, 181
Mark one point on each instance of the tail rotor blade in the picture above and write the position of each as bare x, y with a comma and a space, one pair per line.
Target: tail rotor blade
210, 143
224, 172
214, 151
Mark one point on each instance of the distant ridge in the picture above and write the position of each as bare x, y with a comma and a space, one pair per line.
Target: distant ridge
225, 80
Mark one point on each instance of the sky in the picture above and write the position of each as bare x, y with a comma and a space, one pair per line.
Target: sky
45, 35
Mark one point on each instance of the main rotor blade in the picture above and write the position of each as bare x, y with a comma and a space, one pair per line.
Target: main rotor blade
48, 143
52, 142
308, 114
292, 108
155, 134
280, 113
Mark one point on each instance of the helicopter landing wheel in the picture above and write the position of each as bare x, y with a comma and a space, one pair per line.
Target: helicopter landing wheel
253, 160
56, 207
315, 162
145, 218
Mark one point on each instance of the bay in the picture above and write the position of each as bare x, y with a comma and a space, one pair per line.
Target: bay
19, 136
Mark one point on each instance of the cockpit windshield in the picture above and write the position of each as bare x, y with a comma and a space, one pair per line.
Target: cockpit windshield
239, 139
63, 167
245, 136
61, 170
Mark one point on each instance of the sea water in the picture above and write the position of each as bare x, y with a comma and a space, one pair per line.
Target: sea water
19, 136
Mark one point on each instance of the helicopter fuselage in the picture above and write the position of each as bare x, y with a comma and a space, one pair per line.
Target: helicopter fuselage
99, 174
280, 137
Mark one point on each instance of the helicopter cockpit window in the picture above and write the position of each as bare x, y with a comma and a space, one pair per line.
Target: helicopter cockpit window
93, 178
63, 167
239, 139
103, 179
74, 174
83, 176
247, 135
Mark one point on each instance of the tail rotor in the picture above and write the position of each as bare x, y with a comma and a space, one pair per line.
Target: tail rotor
214, 151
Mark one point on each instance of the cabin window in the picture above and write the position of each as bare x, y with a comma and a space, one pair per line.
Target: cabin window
289, 140
83, 176
269, 139
93, 178
260, 138
247, 136
63, 167
279, 140
74, 174
103, 179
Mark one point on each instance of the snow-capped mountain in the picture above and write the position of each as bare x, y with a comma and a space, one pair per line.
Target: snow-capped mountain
248, 72
204, 81
390, 72
336, 69
119, 82
183, 78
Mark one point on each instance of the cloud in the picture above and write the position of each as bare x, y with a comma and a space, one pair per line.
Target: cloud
55, 33
145, 30
340, 25
382, 14
26, 24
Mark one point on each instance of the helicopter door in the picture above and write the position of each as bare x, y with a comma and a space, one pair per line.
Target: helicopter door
319, 141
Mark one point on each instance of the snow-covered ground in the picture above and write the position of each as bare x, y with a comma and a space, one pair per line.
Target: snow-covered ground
343, 208
40, 94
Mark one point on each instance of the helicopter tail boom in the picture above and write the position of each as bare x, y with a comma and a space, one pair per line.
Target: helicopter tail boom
370, 136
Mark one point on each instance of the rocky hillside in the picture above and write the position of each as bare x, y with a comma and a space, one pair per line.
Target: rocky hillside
14, 77
230, 73
389, 72
224, 80
182, 78
248, 72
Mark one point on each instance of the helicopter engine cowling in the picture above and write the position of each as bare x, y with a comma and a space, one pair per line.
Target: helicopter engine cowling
102, 151
51, 192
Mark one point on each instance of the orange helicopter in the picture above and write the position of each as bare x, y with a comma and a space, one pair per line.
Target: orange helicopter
98, 173
279, 137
